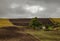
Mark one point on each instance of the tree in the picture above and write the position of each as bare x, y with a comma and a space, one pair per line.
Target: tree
34, 23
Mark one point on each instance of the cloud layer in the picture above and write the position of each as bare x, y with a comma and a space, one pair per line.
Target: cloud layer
29, 8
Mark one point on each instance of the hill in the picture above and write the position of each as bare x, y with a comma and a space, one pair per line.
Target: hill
5, 22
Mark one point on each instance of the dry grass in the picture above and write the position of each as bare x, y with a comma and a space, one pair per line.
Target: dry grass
5, 22
56, 20
45, 35
24, 34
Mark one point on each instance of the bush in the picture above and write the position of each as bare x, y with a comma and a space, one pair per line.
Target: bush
34, 23
49, 28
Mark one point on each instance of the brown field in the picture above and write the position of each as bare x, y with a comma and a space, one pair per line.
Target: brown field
24, 34
11, 34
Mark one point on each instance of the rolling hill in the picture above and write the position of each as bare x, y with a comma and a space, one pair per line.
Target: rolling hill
5, 22
56, 20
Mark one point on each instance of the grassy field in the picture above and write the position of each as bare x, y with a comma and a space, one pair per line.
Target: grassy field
56, 20
5, 22
45, 35
15, 34
23, 31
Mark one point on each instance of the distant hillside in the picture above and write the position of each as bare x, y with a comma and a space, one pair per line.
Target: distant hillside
5, 22
23, 21
55, 20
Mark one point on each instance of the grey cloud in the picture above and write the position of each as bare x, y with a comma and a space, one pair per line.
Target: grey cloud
50, 5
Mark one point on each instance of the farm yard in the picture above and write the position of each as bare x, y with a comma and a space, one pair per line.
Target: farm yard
8, 32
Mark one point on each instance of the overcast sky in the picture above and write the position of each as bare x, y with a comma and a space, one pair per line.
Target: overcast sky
29, 8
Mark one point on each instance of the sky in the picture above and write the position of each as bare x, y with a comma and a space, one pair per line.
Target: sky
29, 8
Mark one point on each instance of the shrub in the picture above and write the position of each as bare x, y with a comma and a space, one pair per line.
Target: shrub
49, 28
34, 23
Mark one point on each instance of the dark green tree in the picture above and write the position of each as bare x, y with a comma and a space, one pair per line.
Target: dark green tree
35, 23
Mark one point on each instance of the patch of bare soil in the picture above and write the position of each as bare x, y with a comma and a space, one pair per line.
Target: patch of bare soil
8, 35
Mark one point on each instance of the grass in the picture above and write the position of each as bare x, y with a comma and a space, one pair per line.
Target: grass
5, 22
45, 35
41, 34
14, 34
56, 20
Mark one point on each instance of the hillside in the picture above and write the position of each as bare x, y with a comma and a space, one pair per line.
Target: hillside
55, 20
5, 22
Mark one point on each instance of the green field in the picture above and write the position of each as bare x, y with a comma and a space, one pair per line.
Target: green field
45, 35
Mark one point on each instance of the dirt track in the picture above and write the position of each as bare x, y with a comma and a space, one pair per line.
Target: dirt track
6, 35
